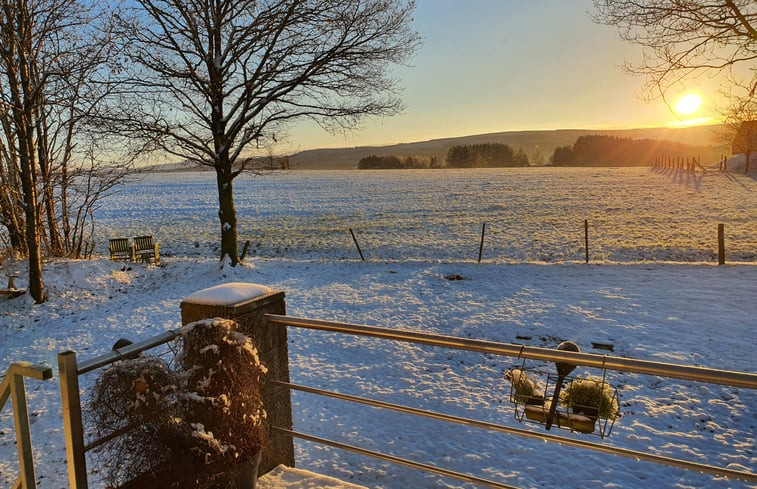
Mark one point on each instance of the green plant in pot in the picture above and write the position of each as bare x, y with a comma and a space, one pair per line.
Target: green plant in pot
592, 397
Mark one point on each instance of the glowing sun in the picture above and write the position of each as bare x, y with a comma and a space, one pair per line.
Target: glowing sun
687, 104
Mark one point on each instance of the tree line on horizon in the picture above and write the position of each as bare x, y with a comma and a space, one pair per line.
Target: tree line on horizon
484, 155
395, 162
603, 150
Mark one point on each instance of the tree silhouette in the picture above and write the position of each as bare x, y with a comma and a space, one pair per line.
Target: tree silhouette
217, 78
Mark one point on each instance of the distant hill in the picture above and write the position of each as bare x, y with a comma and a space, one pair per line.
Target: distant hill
547, 141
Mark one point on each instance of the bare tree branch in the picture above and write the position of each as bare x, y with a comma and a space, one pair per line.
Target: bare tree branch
685, 39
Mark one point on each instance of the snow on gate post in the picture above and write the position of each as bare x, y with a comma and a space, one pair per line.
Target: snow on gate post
247, 304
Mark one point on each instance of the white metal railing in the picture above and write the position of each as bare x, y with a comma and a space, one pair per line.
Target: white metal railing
698, 374
13, 387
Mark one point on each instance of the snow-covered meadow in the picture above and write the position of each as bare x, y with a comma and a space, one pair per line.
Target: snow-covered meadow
532, 215
651, 290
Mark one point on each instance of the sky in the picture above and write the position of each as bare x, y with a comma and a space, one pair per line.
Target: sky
505, 65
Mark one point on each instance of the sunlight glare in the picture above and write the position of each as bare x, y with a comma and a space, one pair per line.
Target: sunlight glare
688, 104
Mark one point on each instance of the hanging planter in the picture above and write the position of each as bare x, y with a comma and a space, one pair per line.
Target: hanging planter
562, 419
585, 405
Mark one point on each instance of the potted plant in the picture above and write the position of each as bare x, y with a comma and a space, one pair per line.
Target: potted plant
591, 397
523, 389
581, 402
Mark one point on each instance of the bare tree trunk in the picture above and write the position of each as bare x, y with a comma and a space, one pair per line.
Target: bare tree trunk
29, 185
31, 207
12, 214
55, 244
16, 56
227, 214
9, 219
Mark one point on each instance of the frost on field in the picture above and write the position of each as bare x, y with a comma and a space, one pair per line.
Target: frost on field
532, 214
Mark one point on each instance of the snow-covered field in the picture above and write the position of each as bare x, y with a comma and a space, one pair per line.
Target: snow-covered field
651, 291
532, 215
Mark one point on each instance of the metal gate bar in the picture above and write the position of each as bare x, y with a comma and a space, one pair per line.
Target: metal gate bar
396, 460
646, 367
613, 450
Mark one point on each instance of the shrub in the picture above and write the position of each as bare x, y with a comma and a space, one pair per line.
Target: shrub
524, 389
223, 403
138, 397
194, 423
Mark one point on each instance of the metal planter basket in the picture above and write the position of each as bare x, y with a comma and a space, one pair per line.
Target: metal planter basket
532, 391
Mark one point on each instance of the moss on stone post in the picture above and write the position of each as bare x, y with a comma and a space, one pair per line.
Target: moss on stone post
247, 304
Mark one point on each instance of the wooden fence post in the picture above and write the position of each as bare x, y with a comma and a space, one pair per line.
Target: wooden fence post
357, 245
23, 439
586, 238
721, 244
481, 246
73, 429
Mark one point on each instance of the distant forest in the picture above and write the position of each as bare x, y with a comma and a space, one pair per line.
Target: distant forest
487, 155
615, 151
392, 162
588, 150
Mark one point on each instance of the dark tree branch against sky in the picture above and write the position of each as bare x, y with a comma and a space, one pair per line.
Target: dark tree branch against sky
684, 40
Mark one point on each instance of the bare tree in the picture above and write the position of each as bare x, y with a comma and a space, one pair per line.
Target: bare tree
218, 79
20, 94
740, 129
688, 39
11, 199
78, 168
53, 73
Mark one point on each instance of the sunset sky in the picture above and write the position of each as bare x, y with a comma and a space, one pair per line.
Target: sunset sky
506, 65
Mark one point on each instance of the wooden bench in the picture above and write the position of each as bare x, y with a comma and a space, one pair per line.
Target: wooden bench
12, 291
145, 249
120, 249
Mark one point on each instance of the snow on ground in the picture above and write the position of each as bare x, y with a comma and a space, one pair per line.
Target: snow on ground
532, 215
688, 313
283, 477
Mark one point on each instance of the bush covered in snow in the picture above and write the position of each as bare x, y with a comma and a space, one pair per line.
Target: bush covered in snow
222, 399
195, 423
